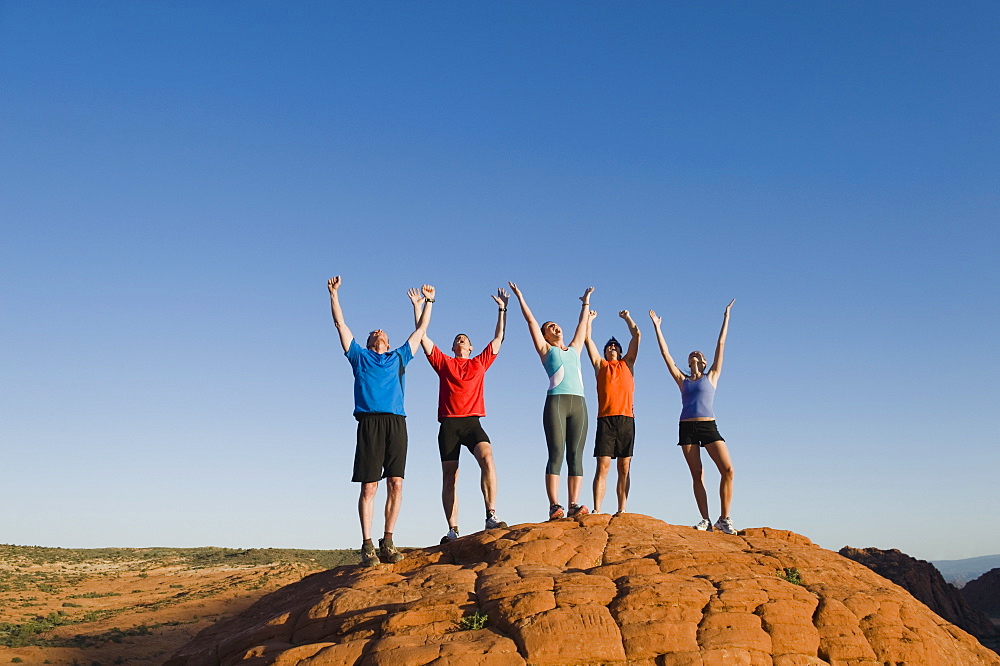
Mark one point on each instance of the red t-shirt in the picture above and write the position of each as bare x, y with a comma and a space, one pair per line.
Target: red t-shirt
461, 386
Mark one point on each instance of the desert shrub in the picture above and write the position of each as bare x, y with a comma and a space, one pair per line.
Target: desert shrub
477, 620
791, 574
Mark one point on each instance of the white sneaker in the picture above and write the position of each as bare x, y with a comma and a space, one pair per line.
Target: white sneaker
725, 525
493, 522
450, 536
705, 525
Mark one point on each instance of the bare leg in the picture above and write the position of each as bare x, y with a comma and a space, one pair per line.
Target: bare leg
574, 484
552, 488
692, 455
720, 454
449, 469
487, 474
393, 501
600, 481
624, 482
366, 508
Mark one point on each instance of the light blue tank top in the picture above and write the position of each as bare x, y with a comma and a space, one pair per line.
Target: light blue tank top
697, 397
563, 368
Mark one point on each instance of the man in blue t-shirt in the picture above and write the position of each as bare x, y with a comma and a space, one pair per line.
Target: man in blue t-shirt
378, 407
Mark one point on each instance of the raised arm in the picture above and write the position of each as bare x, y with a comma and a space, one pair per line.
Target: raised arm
333, 284
595, 356
417, 298
720, 347
581, 326
671, 366
425, 318
541, 346
633, 345
501, 298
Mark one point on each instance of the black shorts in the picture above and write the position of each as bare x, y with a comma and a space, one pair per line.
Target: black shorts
458, 431
701, 433
615, 437
381, 449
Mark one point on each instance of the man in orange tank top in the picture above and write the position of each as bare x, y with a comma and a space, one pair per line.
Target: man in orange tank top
615, 414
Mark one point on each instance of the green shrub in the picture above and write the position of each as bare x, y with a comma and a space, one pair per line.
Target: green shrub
791, 574
477, 620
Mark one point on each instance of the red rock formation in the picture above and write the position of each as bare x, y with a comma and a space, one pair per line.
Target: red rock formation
629, 589
925, 582
983, 594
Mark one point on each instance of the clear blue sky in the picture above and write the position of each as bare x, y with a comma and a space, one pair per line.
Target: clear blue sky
178, 180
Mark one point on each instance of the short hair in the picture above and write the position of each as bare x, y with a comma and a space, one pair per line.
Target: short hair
613, 342
457, 336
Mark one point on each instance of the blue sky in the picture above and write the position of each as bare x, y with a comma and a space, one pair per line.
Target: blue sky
178, 180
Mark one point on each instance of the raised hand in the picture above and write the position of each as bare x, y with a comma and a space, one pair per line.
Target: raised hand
729, 307
415, 295
656, 320
513, 288
333, 284
428, 291
585, 299
593, 315
623, 314
501, 297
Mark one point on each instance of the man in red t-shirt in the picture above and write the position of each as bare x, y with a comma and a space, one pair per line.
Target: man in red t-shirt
460, 406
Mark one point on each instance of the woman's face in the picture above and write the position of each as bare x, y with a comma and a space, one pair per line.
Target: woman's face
697, 362
551, 332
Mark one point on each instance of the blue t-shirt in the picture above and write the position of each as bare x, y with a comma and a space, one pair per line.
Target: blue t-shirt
378, 379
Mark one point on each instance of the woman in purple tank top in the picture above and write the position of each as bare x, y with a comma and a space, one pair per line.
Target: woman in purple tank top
697, 423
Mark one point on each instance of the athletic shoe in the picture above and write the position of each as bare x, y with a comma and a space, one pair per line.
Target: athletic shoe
705, 525
492, 522
369, 558
387, 552
451, 535
578, 510
725, 525
556, 512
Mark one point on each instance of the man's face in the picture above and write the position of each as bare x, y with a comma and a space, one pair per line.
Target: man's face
378, 338
461, 343
611, 353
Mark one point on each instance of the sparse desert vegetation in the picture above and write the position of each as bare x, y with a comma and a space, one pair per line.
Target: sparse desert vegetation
133, 605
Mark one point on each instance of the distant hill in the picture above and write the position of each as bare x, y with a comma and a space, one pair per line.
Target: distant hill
133, 605
960, 572
921, 579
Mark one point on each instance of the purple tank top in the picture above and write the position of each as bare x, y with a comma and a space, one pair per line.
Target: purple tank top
697, 398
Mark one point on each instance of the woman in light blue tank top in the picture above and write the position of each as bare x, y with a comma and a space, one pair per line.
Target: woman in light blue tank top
565, 415
697, 423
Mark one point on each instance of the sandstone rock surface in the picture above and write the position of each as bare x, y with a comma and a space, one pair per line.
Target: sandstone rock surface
596, 590
922, 579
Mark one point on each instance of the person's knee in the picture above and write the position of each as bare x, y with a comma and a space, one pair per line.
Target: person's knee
394, 485
603, 465
727, 472
484, 454
624, 464
368, 491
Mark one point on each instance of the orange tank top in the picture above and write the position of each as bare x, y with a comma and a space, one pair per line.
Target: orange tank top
615, 389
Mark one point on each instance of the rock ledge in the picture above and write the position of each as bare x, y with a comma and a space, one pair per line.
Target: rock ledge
597, 590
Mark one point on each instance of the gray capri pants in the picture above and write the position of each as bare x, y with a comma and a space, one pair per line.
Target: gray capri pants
565, 423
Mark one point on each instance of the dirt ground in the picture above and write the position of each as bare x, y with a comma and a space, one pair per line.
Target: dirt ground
132, 606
